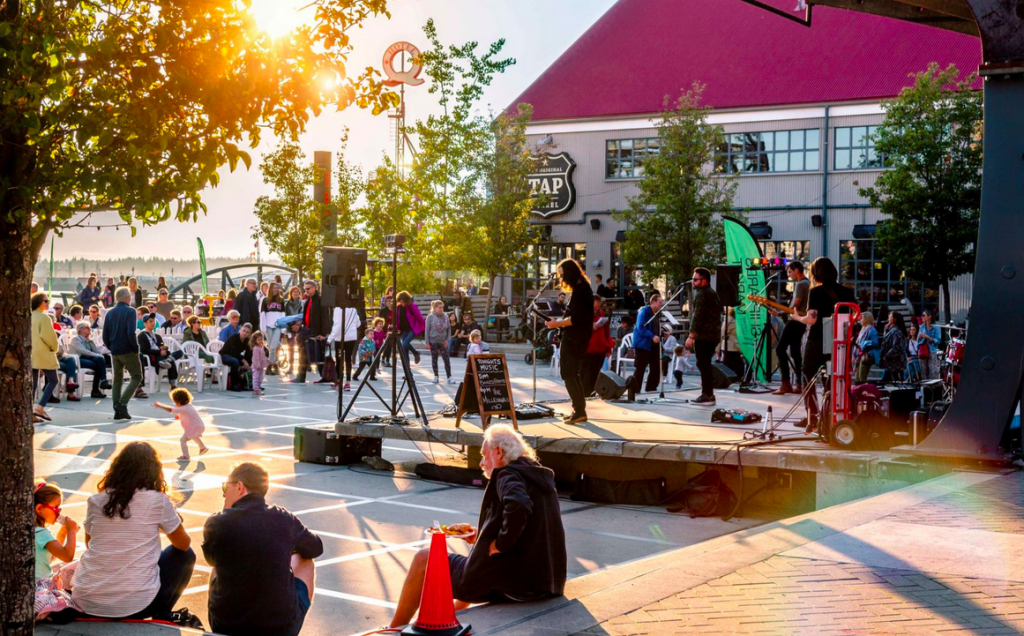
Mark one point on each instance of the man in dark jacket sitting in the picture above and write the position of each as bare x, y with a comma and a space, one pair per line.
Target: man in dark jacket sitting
262, 558
236, 356
518, 552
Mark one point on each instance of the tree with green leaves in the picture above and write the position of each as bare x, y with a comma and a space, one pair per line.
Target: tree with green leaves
498, 233
133, 108
443, 174
291, 223
672, 225
391, 207
931, 194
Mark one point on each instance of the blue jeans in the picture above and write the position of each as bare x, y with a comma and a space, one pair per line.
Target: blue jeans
70, 369
407, 344
98, 366
48, 388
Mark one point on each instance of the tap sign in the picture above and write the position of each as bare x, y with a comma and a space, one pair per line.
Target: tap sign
551, 183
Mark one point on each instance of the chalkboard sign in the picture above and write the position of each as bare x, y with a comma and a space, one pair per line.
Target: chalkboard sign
486, 389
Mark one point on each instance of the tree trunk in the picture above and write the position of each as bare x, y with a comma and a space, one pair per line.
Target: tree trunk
17, 521
945, 301
487, 309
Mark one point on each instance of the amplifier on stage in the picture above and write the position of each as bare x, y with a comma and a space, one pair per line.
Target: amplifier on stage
321, 444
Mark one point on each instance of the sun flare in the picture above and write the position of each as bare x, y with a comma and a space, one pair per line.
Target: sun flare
276, 17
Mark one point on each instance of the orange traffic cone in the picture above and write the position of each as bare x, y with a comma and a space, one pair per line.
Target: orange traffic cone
437, 606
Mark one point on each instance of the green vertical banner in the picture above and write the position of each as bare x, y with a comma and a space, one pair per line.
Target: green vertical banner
740, 248
202, 264
49, 281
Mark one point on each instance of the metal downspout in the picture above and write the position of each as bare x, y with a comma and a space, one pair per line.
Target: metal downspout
824, 183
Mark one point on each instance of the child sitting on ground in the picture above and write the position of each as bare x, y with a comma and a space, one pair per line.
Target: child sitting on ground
475, 343
367, 347
189, 419
48, 497
260, 361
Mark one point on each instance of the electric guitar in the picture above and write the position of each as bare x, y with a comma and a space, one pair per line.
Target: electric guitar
771, 304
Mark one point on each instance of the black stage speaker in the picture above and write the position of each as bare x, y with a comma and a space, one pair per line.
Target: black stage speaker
722, 376
320, 444
610, 386
343, 271
727, 285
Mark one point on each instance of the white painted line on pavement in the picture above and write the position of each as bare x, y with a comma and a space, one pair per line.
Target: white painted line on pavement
352, 597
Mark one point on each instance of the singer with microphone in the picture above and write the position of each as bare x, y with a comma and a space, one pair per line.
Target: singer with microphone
576, 326
705, 329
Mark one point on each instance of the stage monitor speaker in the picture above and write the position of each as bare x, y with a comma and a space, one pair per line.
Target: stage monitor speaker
343, 271
727, 285
320, 444
722, 376
610, 386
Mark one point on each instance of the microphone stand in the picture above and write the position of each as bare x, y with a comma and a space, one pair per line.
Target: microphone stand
657, 316
531, 310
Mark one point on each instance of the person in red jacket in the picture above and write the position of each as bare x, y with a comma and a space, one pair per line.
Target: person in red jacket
600, 347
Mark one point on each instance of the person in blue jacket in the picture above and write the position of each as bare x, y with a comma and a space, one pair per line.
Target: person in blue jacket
119, 337
646, 344
867, 347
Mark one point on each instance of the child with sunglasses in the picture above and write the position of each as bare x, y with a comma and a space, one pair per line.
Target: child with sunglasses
48, 497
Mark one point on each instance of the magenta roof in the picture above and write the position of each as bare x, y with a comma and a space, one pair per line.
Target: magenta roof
641, 50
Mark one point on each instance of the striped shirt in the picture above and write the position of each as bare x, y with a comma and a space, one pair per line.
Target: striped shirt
118, 575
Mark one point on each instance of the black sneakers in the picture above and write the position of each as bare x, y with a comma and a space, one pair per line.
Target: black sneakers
703, 400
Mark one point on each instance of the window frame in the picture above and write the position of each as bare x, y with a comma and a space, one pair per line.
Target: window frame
865, 150
766, 149
633, 157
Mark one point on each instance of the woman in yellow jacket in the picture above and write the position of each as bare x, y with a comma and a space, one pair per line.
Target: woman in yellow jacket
44, 353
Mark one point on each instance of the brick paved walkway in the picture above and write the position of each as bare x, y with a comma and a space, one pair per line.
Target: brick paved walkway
789, 595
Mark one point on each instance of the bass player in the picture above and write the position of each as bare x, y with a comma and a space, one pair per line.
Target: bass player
788, 347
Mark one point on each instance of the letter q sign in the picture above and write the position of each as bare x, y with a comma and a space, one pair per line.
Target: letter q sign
410, 74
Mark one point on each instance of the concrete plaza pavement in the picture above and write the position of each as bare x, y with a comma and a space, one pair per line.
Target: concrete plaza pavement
371, 523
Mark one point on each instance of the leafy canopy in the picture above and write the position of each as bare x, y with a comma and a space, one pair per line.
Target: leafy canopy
672, 223
133, 105
932, 138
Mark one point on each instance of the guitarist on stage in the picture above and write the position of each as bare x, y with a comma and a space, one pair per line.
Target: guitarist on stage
788, 347
576, 326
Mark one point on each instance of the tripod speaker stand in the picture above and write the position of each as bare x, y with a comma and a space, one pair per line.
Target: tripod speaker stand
392, 345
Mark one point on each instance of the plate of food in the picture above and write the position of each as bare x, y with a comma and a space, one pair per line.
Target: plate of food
452, 531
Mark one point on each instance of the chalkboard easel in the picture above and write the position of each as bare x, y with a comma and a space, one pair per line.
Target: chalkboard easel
486, 389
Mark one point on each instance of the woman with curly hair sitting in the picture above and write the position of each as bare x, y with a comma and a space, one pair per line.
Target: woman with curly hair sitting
124, 573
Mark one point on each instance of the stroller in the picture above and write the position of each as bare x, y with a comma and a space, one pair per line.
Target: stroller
544, 342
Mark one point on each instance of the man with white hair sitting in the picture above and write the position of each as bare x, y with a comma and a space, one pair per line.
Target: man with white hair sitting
518, 552
92, 358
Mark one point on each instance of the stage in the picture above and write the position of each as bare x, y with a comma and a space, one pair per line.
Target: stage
674, 440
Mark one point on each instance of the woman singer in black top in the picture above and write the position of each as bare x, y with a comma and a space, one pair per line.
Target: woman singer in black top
576, 326
821, 303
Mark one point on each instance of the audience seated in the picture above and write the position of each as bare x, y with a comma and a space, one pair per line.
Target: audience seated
194, 333
59, 318
235, 355
154, 351
231, 328
174, 324
262, 557
124, 574
461, 336
518, 551
94, 357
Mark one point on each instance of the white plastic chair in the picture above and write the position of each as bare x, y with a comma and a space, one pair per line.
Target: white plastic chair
215, 346
556, 361
183, 364
192, 350
622, 360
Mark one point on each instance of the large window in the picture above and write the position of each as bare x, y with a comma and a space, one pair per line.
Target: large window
782, 288
624, 158
878, 285
793, 250
778, 151
544, 262
855, 149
